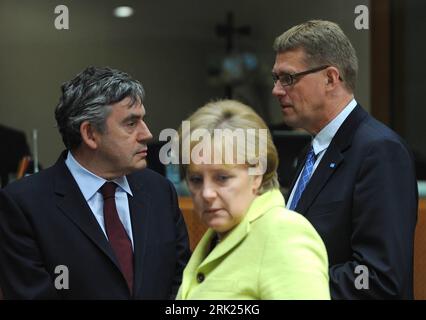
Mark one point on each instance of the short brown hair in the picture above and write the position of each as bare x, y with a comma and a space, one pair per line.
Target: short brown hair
324, 43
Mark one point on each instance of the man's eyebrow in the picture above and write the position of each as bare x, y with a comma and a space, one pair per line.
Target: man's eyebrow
132, 117
281, 72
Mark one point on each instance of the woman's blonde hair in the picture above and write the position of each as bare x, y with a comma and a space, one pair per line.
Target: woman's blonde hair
232, 115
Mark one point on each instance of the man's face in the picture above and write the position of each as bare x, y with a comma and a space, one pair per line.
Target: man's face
302, 102
122, 147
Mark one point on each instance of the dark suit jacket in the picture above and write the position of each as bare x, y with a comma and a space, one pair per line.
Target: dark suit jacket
45, 222
362, 199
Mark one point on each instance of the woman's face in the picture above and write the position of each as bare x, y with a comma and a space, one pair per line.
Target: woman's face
222, 194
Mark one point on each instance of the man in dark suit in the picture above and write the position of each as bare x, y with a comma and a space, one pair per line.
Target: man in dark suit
13, 147
97, 224
356, 183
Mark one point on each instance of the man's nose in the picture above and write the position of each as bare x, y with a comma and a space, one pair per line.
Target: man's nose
278, 89
144, 133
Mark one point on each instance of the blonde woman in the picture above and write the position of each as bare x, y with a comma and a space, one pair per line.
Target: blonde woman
254, 248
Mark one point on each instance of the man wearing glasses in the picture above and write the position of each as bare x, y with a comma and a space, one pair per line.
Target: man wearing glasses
356, 181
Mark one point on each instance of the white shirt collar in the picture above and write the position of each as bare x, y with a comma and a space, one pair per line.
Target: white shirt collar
88, 182
323, 139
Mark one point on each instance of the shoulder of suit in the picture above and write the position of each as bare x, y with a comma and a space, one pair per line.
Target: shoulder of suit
33, 184
149, 177
376, 130
282, 218
147, 174
280, 226
373, 133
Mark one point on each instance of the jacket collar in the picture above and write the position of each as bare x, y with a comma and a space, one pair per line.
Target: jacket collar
201, 258
332, 159
72, 203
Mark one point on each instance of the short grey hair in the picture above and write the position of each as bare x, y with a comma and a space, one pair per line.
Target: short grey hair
324, 43
89, 96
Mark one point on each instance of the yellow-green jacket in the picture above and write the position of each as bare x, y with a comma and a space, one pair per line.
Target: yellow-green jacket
273, 253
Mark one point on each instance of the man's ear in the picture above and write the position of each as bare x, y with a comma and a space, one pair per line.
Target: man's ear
333, 77
89, 135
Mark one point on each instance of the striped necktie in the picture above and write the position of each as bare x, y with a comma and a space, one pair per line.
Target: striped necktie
304, 178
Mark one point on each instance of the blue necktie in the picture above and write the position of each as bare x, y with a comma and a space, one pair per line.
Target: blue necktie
304, 178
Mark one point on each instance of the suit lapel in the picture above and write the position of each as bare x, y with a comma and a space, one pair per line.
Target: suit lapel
197, 257
328, 165
202, 259
332, 159
139, 206
232, 240
72, 204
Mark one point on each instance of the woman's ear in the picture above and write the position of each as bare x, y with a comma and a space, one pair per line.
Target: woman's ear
89, 135
257, 182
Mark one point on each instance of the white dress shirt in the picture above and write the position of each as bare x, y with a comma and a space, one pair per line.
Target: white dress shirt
89, 184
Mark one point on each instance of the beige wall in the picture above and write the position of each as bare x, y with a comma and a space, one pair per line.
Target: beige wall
167, 45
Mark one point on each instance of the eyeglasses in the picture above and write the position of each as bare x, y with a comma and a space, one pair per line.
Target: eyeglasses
287, 79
